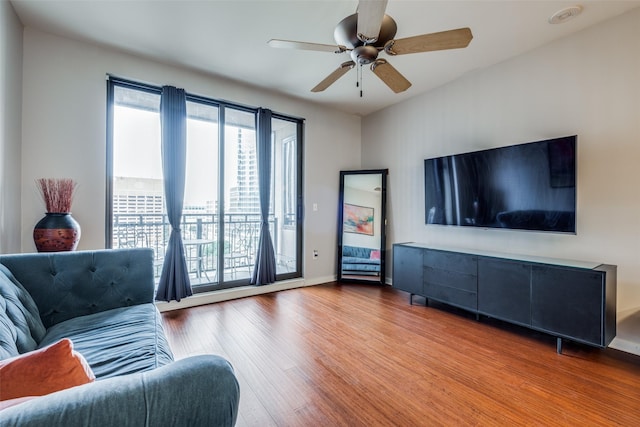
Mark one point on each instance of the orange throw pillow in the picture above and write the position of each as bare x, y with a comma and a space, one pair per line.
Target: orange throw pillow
47, 370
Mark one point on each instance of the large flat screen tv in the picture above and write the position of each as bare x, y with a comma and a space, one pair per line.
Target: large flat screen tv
526, 187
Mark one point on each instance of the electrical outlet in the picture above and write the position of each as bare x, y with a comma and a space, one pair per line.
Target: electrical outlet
315, 254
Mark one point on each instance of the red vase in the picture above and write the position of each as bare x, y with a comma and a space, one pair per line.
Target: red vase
56, 232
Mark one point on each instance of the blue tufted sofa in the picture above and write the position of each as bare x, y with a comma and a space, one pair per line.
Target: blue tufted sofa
103, 301
359, 259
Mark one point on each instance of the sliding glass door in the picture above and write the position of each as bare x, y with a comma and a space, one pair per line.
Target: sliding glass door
287, 198
221, 215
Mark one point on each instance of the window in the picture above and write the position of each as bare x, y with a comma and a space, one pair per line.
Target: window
288, 182
287, 171
221, 213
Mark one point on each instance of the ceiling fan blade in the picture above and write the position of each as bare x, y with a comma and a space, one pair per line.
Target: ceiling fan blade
452, 39
390, 76
331, 78
291, 44
370, 14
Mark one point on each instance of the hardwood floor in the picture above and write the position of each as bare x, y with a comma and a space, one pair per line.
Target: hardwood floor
360, 355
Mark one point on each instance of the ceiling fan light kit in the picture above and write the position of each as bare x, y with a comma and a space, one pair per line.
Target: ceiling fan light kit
366, 34
363, 55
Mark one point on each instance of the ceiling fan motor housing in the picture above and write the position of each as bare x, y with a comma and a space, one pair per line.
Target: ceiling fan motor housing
346, 32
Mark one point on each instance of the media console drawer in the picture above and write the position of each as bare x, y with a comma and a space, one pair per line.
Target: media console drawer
451, 277
451, 261
568, 299
450, 295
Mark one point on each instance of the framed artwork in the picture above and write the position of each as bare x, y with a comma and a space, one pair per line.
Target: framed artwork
358, 219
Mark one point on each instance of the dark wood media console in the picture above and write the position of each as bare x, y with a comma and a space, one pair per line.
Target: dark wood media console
572, 300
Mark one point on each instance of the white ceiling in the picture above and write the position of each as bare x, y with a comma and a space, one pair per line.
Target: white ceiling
229, 38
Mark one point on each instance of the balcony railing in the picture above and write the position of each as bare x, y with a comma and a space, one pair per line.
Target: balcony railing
200, 233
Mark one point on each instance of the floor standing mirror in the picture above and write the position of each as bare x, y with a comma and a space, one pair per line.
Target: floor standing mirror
362, 226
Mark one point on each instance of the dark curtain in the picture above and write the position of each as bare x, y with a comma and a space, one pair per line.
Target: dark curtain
174, 281
264, 271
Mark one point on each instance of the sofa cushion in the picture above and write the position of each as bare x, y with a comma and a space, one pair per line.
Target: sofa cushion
354, 260
196, 391
47, 370
356, 251
4, 404
8, 334
21, 328
361, 267
116, 342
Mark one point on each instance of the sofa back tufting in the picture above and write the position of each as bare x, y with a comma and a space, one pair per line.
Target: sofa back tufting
101, 280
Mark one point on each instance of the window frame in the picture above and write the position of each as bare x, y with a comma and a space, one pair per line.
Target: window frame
113, 81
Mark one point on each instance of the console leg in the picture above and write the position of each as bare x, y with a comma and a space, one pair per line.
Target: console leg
410, 299
559, 345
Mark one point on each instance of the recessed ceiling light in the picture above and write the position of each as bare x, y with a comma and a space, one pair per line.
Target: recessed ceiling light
564, 15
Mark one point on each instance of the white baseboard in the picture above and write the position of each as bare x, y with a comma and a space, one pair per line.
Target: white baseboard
240, 292
628, 332
627, 346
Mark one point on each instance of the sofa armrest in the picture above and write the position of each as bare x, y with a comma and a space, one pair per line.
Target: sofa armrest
65, 285
197, 391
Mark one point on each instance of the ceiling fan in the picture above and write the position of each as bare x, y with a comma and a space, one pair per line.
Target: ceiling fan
367, 33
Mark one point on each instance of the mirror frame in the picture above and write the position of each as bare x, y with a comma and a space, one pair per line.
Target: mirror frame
383, 226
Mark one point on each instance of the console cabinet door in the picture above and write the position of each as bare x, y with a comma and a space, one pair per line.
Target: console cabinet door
407, 269
568, 302
452, 278
504, 290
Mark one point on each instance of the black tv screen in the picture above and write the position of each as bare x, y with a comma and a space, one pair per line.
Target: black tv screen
526, 186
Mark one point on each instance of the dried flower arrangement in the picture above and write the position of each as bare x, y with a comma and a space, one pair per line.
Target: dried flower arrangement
57, 193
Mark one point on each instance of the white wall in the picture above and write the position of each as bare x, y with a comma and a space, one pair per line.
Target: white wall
10, 127
587, 84
64, 134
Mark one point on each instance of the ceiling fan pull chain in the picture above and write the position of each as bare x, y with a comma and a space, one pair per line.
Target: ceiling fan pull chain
361, 81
